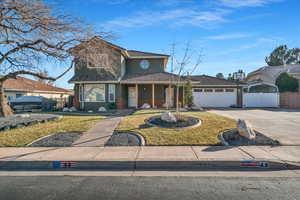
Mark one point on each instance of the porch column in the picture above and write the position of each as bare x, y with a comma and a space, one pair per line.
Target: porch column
137, 95
153, 96
169, 98
183, 97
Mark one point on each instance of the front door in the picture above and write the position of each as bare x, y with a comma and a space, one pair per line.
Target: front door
132, 97
170, 97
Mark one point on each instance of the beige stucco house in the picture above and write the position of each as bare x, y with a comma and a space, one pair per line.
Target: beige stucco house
268, 75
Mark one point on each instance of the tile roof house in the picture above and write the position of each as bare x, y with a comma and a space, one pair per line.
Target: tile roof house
269, 74
130, 78
22, 86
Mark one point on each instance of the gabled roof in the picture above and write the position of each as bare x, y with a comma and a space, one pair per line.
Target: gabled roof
213, 81
270, 73
125, 52
25, 84
134, 53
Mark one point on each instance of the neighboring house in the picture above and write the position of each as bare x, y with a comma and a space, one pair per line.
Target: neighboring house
264, 78
129, 79
21, 86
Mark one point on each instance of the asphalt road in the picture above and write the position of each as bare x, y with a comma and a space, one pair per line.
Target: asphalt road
130, 188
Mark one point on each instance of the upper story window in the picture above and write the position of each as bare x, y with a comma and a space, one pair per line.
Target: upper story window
97, 60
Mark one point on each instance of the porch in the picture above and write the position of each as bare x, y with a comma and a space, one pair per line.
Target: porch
155, 94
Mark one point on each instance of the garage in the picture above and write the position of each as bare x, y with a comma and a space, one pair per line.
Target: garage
215, 97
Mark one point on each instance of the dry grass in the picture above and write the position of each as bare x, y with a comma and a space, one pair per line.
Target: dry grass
22, 136
206, 134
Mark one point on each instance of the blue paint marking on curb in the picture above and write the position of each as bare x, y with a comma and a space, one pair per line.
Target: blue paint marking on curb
254, 164
63, 164
56, 164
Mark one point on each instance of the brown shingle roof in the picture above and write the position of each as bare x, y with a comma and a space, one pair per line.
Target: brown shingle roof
210, 80
149, 78
25, 84
135, 53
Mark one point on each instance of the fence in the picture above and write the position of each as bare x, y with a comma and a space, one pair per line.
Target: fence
290, 100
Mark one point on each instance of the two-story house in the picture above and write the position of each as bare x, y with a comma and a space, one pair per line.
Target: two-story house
129, 79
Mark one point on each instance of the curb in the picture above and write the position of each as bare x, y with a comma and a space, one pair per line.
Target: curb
148, 165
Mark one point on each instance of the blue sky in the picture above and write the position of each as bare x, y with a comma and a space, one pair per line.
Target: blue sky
231, 34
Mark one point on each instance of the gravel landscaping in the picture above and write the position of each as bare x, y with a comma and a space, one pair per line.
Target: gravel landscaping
57, 140
124, 138
182, 122
22, 120
232, 138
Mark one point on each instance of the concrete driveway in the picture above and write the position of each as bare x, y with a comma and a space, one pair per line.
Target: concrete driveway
280, 124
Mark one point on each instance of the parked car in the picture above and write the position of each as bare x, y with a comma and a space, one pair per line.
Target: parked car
32, 104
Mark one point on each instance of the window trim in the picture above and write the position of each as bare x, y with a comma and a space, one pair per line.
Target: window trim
84, 96
114, 92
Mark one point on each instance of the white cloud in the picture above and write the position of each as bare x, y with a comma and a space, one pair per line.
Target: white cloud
229, 36
246, 3
204, 19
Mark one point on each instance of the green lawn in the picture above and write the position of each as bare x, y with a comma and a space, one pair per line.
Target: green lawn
20, 137
205, 134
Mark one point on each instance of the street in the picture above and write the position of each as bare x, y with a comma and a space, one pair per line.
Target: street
148, 187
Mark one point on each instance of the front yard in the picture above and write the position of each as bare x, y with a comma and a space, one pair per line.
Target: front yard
205, 134
20, 137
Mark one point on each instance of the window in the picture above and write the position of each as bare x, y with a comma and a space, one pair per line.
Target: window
19, 95
219, 90
94, 93
111, 93
208, 90
229, 90
198, 90
81, 92
96, 60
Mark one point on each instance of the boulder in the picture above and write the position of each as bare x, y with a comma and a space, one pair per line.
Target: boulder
245, 129
146, 106
197, 108
23, 115
102, 109
73, 109
66, 109
168, 117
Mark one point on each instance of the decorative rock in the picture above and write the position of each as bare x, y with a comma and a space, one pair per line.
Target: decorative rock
146, 106
23, 115
73, 109
102, 109
66, 109
90, 111
245, 129
168, 117
197, 108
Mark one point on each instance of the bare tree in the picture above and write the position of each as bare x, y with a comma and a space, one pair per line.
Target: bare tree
32, 32
184, 66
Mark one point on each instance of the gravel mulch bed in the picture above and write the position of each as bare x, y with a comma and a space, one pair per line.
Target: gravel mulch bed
182, 122
123, 138
57, 140
234, 139
21, 120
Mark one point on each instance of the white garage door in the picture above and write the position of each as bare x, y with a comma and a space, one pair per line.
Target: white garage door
215, 97
261, 100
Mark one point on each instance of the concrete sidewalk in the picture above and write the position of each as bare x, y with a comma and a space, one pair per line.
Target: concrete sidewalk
98, 135
161, 157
